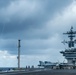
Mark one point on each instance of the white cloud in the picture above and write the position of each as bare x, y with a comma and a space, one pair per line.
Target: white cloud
52, 42
6, 59
63, 20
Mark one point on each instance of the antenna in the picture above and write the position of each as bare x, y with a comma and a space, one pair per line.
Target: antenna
71, 35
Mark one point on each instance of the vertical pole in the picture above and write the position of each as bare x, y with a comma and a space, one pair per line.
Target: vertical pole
19, 54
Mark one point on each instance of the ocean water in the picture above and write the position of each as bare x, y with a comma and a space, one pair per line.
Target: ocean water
7, 68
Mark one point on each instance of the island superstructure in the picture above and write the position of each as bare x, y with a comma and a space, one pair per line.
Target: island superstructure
70, 52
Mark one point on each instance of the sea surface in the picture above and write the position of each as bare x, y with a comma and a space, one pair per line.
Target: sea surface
7, 68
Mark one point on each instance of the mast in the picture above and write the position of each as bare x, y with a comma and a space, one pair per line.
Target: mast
19, 54
71, 35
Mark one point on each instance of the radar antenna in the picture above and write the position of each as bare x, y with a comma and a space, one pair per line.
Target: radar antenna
71, 35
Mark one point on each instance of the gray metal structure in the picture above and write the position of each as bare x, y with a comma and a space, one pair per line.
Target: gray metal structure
70, 53
19, 54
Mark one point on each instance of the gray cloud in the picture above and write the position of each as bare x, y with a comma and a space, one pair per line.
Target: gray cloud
20, 21
4, 3
36, 17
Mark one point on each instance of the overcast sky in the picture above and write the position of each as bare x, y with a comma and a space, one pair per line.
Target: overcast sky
39, 24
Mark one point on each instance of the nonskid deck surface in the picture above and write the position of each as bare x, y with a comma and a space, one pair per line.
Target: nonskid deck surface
43, 72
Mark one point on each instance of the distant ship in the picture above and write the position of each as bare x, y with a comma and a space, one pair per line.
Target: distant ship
69, 54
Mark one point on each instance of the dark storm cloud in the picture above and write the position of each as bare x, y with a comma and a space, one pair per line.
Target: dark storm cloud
35, 19
21, 24
10, 45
